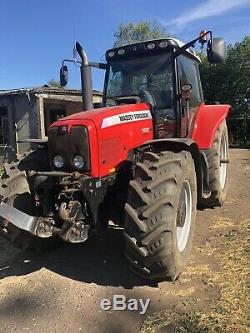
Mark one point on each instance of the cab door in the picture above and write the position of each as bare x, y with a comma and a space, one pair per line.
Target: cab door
188, 73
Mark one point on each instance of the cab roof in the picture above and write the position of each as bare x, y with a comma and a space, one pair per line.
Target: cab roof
172, 42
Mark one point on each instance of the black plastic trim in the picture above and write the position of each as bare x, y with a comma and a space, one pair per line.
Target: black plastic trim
75, 142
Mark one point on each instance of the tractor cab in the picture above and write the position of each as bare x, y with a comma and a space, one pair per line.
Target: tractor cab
149, 72
163, 73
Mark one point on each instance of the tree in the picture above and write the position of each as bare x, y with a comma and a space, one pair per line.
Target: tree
229, 83
54, 83
137, 32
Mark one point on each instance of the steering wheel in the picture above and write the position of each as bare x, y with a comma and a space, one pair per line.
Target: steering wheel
145, 95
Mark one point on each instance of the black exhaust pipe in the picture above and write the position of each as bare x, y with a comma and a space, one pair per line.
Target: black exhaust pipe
86, 79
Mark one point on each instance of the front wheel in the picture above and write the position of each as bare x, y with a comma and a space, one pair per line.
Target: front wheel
35, 160
160, 215
20, 238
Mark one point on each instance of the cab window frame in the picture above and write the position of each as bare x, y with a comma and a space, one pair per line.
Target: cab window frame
190, 66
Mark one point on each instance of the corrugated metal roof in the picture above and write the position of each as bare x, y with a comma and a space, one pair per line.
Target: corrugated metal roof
44, 89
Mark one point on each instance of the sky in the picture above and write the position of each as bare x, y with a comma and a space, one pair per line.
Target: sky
35, 35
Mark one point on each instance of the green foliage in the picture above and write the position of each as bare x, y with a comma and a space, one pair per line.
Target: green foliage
229, 83
54, 83
2, 170
191, 323
137, 32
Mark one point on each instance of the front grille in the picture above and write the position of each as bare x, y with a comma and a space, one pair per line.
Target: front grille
75, 142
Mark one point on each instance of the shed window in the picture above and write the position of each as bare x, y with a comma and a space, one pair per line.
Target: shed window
4, 126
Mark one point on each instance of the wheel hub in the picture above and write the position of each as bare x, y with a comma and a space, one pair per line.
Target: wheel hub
184, 216
223, 166
181, 214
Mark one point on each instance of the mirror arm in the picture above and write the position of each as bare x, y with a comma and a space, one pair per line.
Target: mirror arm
191, 44
86, 79
100, 65
70, 60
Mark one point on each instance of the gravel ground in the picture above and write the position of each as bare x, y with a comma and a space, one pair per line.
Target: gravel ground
61, 291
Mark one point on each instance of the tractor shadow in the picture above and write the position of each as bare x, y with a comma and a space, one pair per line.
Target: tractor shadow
98, 260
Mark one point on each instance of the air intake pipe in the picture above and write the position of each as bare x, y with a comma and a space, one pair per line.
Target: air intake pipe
86, 79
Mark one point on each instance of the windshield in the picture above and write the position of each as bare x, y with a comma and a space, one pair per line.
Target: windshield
133, 76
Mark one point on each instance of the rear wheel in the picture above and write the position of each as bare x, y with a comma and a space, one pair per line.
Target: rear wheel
160, 215
218, 172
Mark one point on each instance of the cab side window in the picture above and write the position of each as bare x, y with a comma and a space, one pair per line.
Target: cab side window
189, 73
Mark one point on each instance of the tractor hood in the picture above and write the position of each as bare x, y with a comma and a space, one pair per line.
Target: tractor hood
104, 137
108, 116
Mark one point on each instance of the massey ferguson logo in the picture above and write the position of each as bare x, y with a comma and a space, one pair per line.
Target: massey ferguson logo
125, 118
133, 116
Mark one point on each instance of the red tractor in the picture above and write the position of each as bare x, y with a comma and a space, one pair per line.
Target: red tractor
145, 159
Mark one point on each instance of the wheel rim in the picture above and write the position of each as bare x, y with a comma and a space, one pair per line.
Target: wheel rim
184, 216
223, 166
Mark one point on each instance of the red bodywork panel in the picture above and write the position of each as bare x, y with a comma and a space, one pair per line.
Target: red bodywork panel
113, 132
208, 119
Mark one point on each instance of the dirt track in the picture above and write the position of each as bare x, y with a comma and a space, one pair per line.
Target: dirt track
61, 291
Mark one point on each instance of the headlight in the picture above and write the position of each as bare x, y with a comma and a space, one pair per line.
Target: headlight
78, 162
58, 161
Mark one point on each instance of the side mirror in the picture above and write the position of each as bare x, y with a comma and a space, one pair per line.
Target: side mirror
185, 90
63, 76
186, 87
216, 50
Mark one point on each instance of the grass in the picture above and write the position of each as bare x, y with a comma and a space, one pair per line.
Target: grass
230, 312
2, 170
185, 323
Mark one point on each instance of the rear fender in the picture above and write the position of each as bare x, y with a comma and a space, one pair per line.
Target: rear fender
208, 120
200, 162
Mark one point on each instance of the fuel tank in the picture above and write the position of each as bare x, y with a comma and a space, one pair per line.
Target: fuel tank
112, 133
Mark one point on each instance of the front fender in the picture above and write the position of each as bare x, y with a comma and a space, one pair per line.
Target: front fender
180, 144
208, 119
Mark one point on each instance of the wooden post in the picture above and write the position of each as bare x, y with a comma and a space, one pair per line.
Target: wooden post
41, 124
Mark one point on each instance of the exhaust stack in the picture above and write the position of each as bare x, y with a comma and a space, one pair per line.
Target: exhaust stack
86, 79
